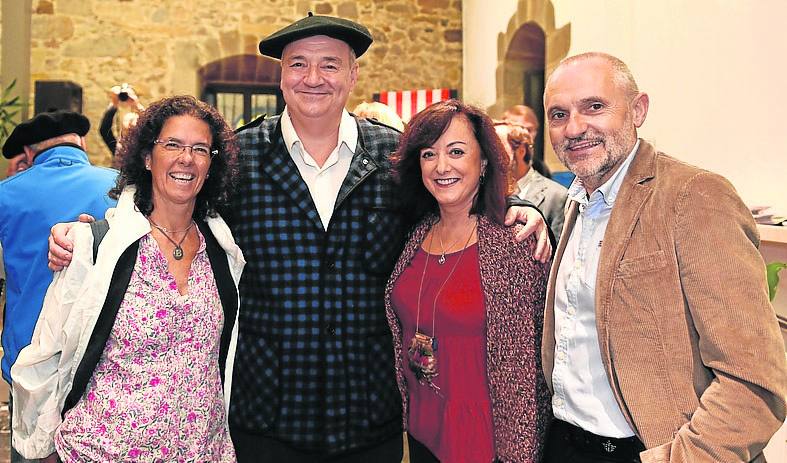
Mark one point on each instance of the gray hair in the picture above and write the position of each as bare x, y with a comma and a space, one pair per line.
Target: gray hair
50, 142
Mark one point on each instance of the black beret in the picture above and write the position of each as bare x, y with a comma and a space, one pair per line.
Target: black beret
43, 127
355, 35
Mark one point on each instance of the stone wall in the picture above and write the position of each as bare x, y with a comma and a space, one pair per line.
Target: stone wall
3, 163
158, 46
1, 33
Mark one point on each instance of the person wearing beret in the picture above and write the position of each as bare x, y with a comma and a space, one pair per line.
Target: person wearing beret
59, 186
317, 217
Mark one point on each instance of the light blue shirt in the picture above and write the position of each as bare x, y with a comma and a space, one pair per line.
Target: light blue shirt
583, 395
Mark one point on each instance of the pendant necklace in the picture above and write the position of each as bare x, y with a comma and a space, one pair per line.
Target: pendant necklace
441, 259
177, 253
421, 353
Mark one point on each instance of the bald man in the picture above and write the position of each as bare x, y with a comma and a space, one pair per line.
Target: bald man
659, 342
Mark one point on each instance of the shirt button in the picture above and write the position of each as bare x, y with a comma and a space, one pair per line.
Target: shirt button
577, 264
561, 356
558, 402
364, 161
571, 311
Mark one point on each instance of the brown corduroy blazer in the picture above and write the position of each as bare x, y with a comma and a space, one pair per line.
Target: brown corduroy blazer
689, 341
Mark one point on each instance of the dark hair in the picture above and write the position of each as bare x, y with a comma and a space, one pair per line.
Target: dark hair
137, 144
422, 131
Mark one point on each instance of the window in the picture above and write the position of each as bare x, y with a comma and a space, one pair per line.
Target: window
242, 104
242, 87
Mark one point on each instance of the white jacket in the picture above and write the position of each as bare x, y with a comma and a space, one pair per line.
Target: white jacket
44, 371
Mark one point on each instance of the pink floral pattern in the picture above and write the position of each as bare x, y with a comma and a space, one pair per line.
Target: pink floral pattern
156, 394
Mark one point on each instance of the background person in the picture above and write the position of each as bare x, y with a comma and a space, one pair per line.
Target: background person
121, 97
379, 112
465, 300
17, 164
159, 306
524, 116
659, 341
544, 193
60, 184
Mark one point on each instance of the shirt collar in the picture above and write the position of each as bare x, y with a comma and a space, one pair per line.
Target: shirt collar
71, 151
609, 190
528, 175
348, 131
524, 182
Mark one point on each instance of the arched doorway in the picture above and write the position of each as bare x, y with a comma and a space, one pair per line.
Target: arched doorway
528, 51
242, 87
523, 76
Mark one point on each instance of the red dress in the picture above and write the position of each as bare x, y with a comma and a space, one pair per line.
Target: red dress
456, 422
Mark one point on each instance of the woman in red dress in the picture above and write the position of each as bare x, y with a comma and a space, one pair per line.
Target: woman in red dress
465, 300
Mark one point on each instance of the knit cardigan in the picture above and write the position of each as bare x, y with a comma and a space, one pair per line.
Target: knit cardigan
514, 286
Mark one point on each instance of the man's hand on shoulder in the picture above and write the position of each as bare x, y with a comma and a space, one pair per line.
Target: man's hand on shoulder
532, 222
60, 246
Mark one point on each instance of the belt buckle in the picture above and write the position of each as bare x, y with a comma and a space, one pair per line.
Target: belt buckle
609, 446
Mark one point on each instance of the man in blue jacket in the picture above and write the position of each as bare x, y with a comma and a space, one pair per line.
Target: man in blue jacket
59, 186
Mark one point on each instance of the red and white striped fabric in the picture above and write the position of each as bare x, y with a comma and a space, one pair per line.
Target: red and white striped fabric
407, 103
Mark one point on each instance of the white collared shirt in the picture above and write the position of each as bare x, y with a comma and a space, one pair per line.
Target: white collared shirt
323, 182
583, 395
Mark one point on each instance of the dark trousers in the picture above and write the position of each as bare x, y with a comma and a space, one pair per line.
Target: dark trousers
568, 443
253, 448
419, 453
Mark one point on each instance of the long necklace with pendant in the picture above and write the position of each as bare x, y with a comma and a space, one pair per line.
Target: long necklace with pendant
421, 353
441, 259
177, 253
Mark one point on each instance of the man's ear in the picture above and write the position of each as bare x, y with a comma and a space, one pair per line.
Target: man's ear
83, 143
29, 154
639, 108
354, 75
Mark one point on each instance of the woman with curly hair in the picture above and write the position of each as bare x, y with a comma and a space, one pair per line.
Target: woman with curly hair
465, 300
131, 358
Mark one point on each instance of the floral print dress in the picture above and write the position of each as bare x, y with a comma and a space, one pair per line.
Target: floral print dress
156, 394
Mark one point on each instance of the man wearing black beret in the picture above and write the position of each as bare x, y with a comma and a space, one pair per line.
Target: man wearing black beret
318, 219
59, 186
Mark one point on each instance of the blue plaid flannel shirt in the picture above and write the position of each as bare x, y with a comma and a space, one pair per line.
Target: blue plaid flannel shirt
314, 365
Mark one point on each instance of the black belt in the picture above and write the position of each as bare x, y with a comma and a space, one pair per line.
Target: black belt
591, 444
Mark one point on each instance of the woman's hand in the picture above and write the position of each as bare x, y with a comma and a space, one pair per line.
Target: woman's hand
533, 223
